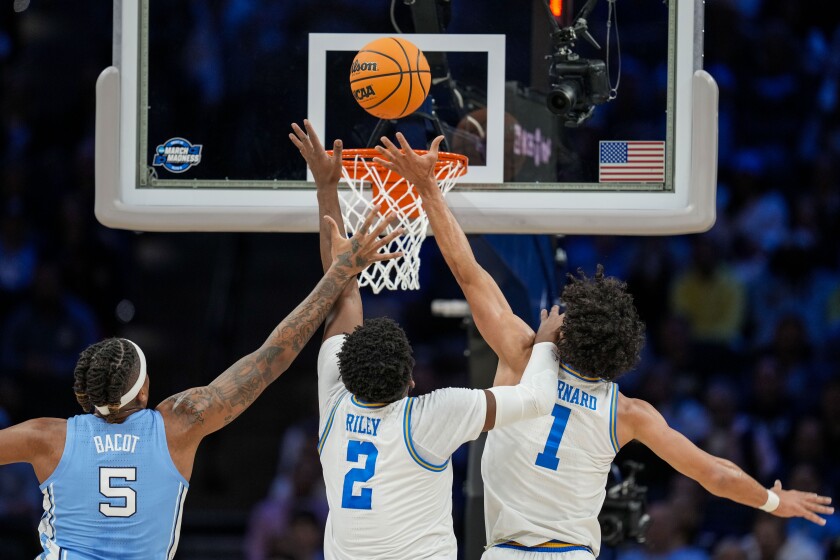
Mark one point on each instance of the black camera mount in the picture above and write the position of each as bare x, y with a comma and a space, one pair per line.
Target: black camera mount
624, 515
577, 84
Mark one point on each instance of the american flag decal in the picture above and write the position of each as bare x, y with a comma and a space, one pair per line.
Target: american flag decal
631, 161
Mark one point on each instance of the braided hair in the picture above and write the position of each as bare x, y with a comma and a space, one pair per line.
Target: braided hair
375, 361
103, 373
602, 335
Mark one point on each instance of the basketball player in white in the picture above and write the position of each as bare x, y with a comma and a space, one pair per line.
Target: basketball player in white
385, 455
544, 479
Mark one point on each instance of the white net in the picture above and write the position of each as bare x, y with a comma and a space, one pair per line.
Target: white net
370, 184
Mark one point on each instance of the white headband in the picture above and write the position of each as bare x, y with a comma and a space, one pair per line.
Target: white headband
131, 394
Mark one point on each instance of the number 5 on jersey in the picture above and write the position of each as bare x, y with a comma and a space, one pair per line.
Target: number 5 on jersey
128, 496
349, 500
548, 457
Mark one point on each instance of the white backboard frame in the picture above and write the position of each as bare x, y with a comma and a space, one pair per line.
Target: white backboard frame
482, 208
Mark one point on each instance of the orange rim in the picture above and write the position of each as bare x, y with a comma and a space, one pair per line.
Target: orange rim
348, 159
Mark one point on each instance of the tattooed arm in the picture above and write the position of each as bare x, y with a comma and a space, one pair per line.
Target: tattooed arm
191, 415
347, 313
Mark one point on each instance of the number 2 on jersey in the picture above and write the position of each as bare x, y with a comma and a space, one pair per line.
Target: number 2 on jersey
359, 474
548, 457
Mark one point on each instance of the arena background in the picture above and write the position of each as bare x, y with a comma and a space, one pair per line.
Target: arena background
743, 321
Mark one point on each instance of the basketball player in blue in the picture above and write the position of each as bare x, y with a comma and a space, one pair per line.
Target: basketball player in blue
545, 478
385, 455
114, 479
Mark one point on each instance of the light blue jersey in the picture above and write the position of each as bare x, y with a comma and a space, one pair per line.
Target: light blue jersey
115, 493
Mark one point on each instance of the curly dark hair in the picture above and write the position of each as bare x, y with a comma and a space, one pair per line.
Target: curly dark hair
103, 373
375, 362
602, 335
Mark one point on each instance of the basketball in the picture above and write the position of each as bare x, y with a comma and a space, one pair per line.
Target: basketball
390, 78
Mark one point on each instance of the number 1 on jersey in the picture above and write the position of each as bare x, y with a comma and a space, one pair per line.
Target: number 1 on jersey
360, 474
548, 457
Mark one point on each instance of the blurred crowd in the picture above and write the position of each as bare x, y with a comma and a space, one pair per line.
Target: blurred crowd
743, 352
743, 321
59, 271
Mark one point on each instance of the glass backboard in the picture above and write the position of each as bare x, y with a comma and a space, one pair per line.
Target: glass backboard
563, 137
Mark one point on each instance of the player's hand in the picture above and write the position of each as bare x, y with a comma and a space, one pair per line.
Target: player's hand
326, 169
417, 169
356, 253
550, 324
793, 503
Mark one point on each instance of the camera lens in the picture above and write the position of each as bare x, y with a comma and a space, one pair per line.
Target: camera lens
564, 96
611, 529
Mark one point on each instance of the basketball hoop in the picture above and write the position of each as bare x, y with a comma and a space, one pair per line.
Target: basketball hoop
371, 184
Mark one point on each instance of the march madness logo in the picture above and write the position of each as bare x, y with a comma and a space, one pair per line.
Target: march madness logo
177, 155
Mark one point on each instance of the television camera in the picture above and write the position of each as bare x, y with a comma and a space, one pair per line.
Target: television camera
624, 515
577, 84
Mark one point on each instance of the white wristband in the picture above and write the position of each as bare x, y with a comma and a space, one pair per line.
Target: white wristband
772, 502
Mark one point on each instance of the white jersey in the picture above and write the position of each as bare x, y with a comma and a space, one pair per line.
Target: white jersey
387, 469
544, 479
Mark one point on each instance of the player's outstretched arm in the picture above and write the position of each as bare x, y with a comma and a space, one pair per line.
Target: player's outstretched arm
508, 335
194, 413
326, 170
39, 441
639, 420
347, 313
447, 418
536, 392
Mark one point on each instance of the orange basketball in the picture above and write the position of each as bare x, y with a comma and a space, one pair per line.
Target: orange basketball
390, 78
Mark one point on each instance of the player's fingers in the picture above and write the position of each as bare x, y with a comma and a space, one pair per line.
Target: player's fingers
383, 152
393, 151
390, 237
386, 153
387, 164
433, 149
555, 310
296, 141
380, 227
543, 314
827, 510
813, 518
812, 497
777, 487
404, 143
369, 219
334, 233
299, 132
817, 499
338, 145
395, 220
313, 136
386, 256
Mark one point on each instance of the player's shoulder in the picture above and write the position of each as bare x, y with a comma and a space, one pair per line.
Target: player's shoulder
454, 397
329, 350
46, 424
45, 431
630, 408
637, 415
450, 393
334, 342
